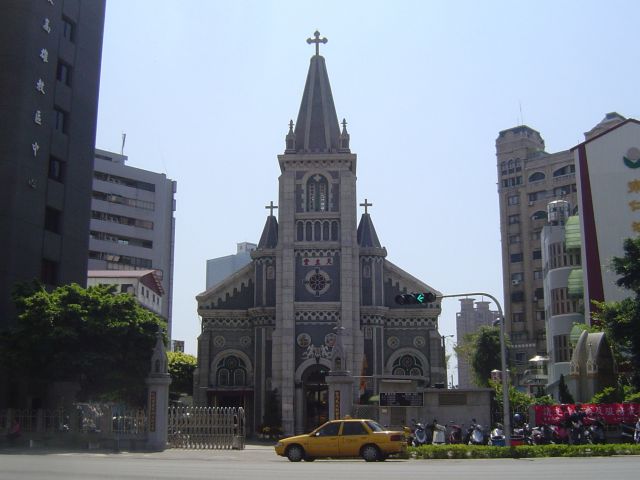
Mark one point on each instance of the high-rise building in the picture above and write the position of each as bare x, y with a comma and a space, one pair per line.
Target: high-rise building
528, 178
220, 268
469, 319
132, 222
49, 79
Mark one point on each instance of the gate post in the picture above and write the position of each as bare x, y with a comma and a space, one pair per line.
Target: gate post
158, 397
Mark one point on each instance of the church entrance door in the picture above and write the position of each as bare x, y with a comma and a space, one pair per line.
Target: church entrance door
316, 394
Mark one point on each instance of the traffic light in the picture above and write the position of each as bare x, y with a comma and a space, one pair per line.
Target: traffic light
415, 298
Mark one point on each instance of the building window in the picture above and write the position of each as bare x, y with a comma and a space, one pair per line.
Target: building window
512, 182
566, 170
49, 272
562, 191
536, 177
561, 303
516, 278
61, 120
514, 239
537, 274
52, 219
562, 350
407, 365
513, 219
517, 317
231, 372
535, 235
63, 73
317, 194
520, 358
68, 29
513, 199
516, 257
538, 294
536, 254
535, 196
56, 169
539, 215
517, 296
540, 315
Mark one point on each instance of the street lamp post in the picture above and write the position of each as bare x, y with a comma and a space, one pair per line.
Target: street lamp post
506, 417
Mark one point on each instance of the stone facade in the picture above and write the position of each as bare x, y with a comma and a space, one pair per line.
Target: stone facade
319, 283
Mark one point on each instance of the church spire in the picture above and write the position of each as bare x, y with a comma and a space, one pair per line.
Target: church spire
367, 236
317, 129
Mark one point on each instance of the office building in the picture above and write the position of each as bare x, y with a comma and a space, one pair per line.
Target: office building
220, 268
132, 221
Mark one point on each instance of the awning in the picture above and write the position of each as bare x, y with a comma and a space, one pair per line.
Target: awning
575, 286
572, 236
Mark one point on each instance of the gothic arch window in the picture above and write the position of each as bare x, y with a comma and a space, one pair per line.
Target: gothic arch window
325, 230
308, 231
537, 176
334, 231
300, 231
231, 372
407, 365
317, 231
317, 194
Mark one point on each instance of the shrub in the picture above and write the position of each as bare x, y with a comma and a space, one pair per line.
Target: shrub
522, 451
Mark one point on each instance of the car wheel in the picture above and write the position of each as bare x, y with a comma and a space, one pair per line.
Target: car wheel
295, 453
370, 453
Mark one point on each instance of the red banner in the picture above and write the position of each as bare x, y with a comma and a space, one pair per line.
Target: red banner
612, 413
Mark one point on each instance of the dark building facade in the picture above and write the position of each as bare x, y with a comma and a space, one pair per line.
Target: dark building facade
50, 55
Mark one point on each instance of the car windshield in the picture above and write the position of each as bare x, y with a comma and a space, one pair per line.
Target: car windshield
375, 427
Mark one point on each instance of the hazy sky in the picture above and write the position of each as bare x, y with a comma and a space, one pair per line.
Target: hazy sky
205, 90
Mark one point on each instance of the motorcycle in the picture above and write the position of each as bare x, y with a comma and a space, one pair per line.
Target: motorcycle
596, 431
476, 435
455, 433
559, 434
419, 434
497, 437
542, 435
438, 433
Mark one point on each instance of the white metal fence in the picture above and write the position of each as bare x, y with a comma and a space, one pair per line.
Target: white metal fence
206, 427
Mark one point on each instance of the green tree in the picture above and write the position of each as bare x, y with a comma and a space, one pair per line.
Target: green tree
181, 367
482, 349
564, 395
99, 340
621, 320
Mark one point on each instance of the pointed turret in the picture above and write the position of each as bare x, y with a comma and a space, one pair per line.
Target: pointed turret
317, 129
367, 236
269, 237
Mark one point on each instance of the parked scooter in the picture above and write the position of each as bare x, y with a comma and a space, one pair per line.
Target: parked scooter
455, 433
596, 430
497, 437
476, 435
438, 433
578, 434
419, 436
542, 435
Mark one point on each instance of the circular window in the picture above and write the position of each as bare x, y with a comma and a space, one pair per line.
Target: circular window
419, 341
245, 341
304, 340
219, 341
317, 282
393, 342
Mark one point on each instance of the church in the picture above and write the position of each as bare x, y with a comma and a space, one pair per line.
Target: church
318, 297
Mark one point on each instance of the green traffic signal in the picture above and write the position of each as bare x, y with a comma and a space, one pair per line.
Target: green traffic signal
413, 298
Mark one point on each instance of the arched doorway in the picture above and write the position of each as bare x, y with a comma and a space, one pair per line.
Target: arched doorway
316, 395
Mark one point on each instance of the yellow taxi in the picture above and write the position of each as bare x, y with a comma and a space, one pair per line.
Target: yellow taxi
348, 437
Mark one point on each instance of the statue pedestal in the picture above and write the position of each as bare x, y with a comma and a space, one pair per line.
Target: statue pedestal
340, 394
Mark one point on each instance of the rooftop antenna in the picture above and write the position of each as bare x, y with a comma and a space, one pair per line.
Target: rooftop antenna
124, 138
521, 117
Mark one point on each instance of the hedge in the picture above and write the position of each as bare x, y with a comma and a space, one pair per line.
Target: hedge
522, 451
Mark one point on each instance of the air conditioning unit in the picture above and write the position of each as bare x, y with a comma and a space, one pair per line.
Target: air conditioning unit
515, 282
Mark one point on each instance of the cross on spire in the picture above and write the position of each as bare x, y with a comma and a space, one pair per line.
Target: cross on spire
317, 40
271, 208
365, 205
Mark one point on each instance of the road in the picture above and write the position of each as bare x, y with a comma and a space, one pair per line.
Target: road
260, 463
